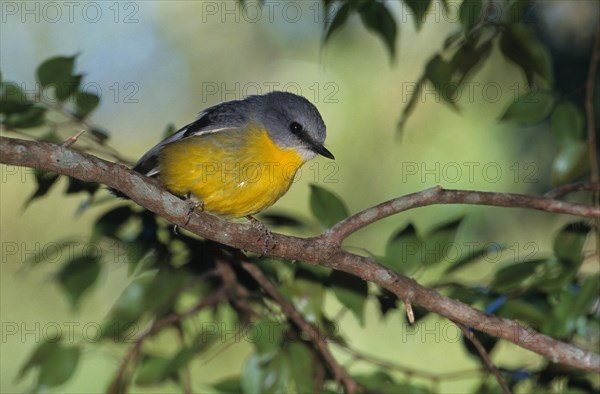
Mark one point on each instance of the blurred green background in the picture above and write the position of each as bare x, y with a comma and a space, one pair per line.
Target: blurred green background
161, 62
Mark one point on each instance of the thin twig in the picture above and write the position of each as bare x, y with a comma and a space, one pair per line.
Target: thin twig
157, 326
572, 187
317, 339
589, 107
408, 371
485, 357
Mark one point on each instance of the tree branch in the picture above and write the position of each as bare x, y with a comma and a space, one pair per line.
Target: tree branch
292, 314
438, 195
317, 250
213, 299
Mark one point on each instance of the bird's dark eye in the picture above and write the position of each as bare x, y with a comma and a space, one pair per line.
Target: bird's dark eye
295, 127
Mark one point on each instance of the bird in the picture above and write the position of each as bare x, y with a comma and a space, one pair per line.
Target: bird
239, 157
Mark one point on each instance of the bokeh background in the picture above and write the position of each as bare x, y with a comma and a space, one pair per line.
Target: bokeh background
160, 62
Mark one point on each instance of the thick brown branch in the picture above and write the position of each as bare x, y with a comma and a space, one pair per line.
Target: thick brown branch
319, 250
316, 338
438, 195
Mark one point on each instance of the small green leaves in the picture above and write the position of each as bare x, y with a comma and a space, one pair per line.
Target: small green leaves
374, 15
56, 70
85, 103
351, 291
45, 180
326, 206
469, 13
266, 375
530, 108
12, 98
515, 276
56, 364
419, 9
575, 303
307, 293
57, 73
29, 118
406, 251
403, 251
570, 163
566, 123
77, 276
522, 47
128, 308
377, 17
338, 20
568, 244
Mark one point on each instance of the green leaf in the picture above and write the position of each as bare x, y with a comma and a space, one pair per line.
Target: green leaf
469, 13
340, 18
31, 117
566, 123
468, 56
377, 17
439, 73
570, 163
306, 293
152, 370
57, 73
128, 308
42, 353
520, 45
12, 98
573, 305
326, 206
515, 275
109, 223
228, 386
419, 9
56, 70
569, 242
524, 311
266, 376
77, 276
438, 244
68, 88
281, 220
303, 366
351, 291
382, 383
268, 335
58, 367
77, 186
467, 259
45, 180
403, 251
530, 108
85, 103
99, 134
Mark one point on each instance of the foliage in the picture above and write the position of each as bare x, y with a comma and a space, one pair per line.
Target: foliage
171, 271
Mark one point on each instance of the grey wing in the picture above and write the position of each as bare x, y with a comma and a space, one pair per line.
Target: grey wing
148, 163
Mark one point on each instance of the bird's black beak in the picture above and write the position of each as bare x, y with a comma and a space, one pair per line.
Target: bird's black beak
320, 149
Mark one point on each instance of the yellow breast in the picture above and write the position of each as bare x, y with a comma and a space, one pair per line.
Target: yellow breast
234, 173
